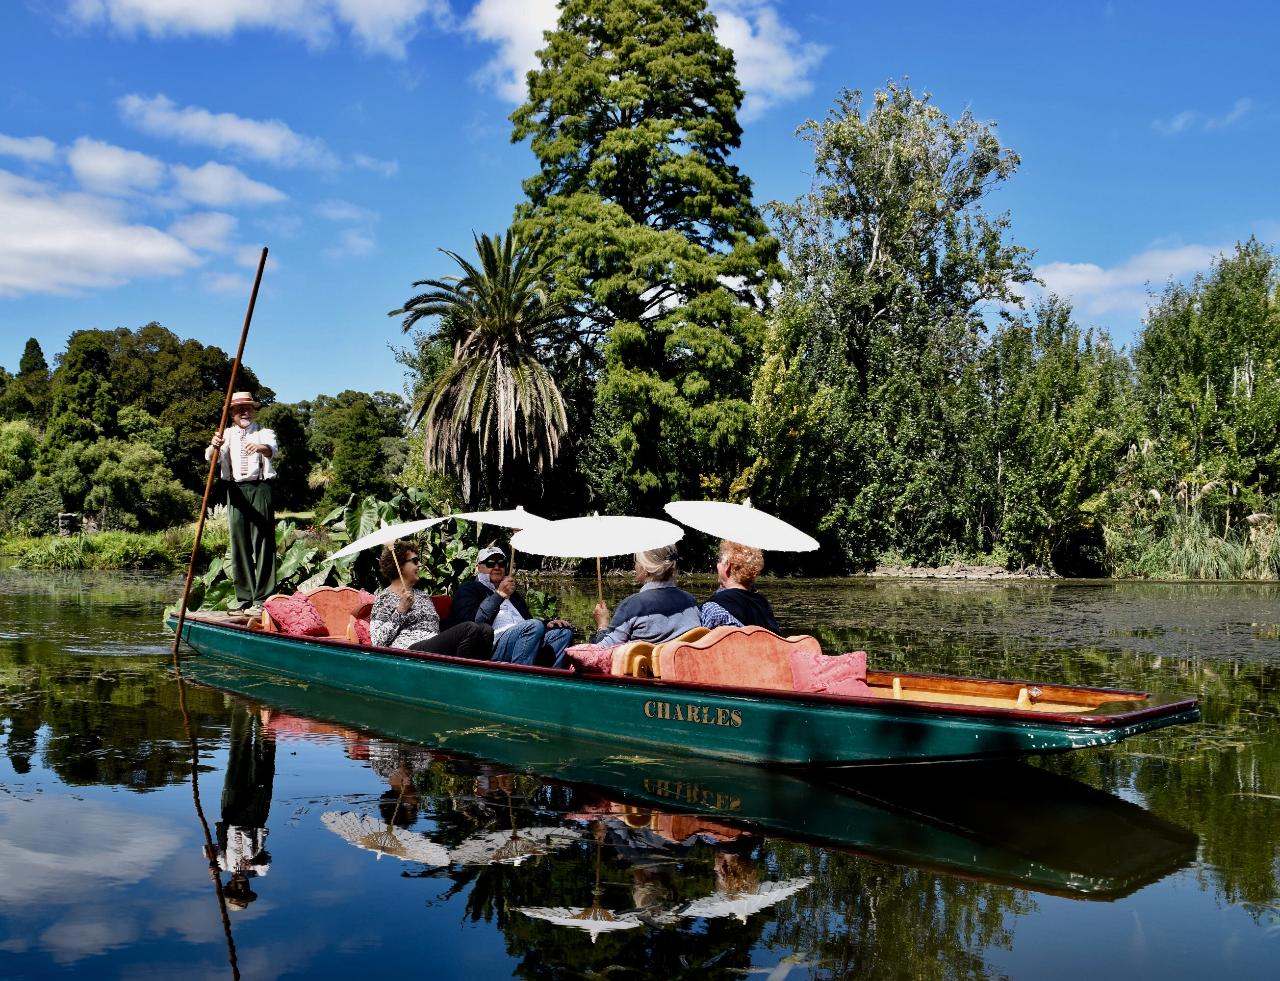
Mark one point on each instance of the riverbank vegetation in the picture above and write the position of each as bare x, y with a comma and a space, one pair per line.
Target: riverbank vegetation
873, 360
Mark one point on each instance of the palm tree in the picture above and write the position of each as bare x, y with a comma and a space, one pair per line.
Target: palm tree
495, 398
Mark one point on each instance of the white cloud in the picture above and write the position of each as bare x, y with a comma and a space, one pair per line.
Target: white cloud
218, 186
53, 241
1125, 287
35, 148
1191, 120
227, 283
208, 231
516, 27
773, 63
270, 139
337, 210
352, 242
381, 26
110, 169
387, 168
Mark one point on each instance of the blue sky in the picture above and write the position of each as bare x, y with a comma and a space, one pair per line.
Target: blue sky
150, 148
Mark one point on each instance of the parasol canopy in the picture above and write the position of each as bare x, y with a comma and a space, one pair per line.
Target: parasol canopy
596, 536
516, 517
743, 524
594, 919
743, 904
385, 534
511, 847
385, 839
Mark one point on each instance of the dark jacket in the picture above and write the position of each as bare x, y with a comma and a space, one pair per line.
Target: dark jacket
748, 606
476, 602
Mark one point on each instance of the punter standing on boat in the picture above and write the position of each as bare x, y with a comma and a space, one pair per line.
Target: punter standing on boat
405, 617
491, 598
245, 450
736, 603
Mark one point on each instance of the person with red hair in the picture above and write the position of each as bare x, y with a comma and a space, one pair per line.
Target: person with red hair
736, 603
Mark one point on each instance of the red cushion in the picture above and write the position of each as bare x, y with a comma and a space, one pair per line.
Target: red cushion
833, 674
590, 658
443, 605
296, 615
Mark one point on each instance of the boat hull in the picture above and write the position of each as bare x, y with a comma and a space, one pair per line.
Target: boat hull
775, 728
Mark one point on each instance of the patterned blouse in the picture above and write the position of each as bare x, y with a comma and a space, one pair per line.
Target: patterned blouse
388, 627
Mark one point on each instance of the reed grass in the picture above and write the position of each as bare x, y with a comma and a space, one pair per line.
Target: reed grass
1186, 545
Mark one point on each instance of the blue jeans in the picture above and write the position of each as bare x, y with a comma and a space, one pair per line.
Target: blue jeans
530, 642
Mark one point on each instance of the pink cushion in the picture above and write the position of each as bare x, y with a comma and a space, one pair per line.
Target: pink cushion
362, 631
832, 674
590, 658
296, 615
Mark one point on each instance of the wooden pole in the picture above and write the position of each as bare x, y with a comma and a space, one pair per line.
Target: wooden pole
217, 455
599, 582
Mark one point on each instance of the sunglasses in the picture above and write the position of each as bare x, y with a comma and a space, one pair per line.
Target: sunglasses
492, 563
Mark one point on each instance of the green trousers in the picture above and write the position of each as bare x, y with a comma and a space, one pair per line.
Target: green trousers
252, 522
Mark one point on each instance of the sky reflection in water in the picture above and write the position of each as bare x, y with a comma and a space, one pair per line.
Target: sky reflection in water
1023, 871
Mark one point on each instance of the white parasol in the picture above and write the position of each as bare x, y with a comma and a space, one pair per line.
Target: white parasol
743, 904
595, 536
385, 534
594, 919
385, 839
743, 524
516, 517
511, 847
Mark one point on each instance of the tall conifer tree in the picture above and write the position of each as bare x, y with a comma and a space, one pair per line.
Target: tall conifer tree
632, 115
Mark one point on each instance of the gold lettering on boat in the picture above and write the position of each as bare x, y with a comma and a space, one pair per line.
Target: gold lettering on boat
710, 715
693, 793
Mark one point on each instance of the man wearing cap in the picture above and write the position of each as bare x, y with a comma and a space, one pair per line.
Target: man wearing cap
491, 598
245, 450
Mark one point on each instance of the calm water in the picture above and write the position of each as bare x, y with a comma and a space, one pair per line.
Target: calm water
371, 838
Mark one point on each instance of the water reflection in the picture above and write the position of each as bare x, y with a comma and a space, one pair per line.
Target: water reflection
1170, 841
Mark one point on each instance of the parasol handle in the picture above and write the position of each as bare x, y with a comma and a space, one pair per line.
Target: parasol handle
599, 583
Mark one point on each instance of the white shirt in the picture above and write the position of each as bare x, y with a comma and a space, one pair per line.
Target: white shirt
233, 439
508, 616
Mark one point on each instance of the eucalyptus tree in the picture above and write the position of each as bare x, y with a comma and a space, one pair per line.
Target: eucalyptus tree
495, 400
662, 256
895, 263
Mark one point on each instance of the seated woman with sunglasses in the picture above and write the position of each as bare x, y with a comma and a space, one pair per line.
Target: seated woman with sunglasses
406, 618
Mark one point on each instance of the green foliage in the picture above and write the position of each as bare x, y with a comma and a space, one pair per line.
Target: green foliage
293, 460
31, 508
448, 551
1057, 397
122, 485
874, 352
358, 465
27, 395
18, 442
632, 114
494, 399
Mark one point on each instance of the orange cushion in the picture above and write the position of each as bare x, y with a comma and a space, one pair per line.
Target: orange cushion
834, 674
296, 615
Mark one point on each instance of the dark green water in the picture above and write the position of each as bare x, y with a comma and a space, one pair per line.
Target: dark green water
1156, 858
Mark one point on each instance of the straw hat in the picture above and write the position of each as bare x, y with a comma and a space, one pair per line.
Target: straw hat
243, 398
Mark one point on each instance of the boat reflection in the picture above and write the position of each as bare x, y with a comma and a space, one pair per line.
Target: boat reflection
1011, 824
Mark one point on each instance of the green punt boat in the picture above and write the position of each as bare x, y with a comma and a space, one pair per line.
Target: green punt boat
1004, 822
907, 718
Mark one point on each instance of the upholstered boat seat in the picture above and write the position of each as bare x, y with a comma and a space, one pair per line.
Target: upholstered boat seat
639, 658
333, 607
753, 657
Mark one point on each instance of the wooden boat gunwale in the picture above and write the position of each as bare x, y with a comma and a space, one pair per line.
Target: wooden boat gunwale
1160, 705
